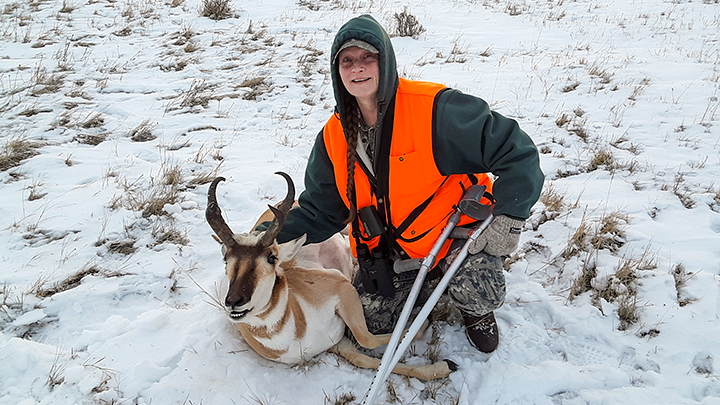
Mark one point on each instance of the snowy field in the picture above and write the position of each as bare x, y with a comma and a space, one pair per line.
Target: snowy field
114, 115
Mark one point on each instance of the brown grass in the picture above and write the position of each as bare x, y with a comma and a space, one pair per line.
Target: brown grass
69, 283
583, 283
125, 247
143, 132
216, 9
577, 242
407, 25
681, 276
91, 139
15, 151
601, 158
257, 85
610, 233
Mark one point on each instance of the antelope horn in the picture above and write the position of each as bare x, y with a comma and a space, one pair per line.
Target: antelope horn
280, 212
213, 215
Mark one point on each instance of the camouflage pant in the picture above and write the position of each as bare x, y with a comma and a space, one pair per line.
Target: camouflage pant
477, 288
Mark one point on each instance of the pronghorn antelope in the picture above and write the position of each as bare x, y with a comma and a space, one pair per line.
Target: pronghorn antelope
291, 302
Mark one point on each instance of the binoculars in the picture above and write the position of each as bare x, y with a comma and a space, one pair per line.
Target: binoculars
375, 270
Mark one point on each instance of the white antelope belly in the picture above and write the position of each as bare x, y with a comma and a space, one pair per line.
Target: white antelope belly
323, 331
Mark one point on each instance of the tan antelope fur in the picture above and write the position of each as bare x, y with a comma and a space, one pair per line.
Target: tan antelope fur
291, 302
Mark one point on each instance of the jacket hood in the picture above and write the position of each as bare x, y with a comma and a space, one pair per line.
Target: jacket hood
365, 28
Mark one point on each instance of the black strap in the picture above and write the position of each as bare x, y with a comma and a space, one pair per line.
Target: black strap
368, 173
489, 197
422, 235
382, 165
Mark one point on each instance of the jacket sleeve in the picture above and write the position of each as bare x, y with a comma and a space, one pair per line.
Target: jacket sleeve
321, 211
470, 138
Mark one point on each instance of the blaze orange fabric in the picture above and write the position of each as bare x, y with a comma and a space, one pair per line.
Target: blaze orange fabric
413, 175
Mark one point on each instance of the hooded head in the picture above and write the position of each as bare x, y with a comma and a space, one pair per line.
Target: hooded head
361, 31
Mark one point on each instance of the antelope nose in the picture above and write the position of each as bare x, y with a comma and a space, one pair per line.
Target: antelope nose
235, 299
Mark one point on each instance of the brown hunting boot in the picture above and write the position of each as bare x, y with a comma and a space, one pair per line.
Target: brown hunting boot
482, 331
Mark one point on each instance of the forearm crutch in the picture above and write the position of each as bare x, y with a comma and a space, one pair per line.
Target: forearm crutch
470, 205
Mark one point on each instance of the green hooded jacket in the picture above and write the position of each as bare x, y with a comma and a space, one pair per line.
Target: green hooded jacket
467, 138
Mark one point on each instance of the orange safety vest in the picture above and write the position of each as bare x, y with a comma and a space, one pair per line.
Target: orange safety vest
413, 175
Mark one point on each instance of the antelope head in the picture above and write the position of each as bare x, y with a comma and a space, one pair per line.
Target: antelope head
253, 261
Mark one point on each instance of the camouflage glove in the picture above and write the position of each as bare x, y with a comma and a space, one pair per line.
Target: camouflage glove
500, 238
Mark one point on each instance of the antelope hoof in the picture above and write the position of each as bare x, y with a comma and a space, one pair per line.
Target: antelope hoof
451, 365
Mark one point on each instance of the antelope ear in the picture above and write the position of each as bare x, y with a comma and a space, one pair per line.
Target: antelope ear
288, 250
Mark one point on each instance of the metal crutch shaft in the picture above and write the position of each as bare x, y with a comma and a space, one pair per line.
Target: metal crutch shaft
427, 264
435, 296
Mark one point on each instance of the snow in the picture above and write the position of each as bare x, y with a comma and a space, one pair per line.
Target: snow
105, 301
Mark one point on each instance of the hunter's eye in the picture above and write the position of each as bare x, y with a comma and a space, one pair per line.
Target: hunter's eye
271, 259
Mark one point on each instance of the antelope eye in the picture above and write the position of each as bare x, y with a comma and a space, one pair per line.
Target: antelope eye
271, 259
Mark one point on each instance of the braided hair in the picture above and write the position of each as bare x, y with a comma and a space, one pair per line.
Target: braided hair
352, 123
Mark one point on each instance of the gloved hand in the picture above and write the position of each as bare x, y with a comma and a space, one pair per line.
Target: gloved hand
500, 238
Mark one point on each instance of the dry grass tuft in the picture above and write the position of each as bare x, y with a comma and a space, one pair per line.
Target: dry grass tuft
584, 282
143, 132
216, 9
91, 139
627, 311
682, 191
434, 351
681, 276
602, 158
95, 121
610, 233
407, 25
169, 234
346, 398
574, 123
171, 175
204, 176
126, 247
620, 288
149, 201
257, 85
35, 192
577, 242
44, 82
69, 283
150, 197
570, 87
55, 376
154, 203
199, 95
562, 120
15, 150
553, 203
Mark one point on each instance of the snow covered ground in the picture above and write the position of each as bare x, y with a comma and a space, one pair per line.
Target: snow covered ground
114, 115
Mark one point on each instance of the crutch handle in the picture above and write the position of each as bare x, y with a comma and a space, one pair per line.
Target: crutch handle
401, 266
460, 233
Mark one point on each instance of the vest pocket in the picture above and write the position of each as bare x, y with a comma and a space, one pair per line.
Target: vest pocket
409, 176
